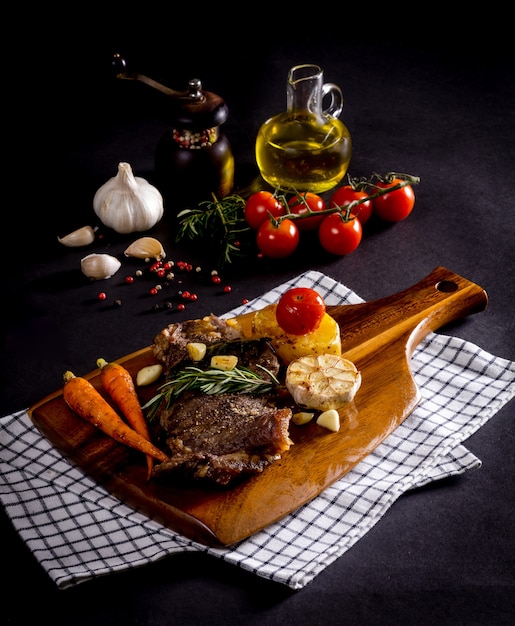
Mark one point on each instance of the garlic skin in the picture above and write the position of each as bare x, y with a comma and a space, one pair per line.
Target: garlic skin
146, 248
77, 238
128, 203
99, 266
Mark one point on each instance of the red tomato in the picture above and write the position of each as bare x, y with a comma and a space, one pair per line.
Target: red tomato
258, 207
338, 236
300, 310
277, 242
304, 203
395, 205
345, 195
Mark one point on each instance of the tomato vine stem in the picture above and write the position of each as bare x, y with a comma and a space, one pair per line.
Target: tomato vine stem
222, 221
346, 212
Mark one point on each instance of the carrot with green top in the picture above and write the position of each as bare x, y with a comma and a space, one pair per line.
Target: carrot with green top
82, 398
119, 384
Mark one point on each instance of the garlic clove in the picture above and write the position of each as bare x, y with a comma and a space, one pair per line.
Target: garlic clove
80, 237
99, 266
148, 375
146, 248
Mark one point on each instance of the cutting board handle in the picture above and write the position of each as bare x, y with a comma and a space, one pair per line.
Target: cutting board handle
407, 316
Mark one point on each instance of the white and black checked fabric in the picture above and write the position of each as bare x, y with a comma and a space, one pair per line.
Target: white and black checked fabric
77, 531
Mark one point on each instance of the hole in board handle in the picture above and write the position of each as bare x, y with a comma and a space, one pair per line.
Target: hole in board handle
446, 286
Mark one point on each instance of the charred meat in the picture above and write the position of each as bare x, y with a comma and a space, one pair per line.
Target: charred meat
170, 345
224, 435
221, 437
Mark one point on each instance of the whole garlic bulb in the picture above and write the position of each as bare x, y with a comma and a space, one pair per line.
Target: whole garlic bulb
128, 203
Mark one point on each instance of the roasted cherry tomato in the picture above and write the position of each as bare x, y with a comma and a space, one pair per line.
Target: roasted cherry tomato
339, 236
260, 206
300, 310
395, 205
343, 196
304, 203
279, 241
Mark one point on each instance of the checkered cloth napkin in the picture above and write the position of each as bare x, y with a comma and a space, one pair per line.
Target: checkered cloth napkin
77, 531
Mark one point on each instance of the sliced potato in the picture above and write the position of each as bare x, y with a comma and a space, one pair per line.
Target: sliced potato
324, 340
243, 324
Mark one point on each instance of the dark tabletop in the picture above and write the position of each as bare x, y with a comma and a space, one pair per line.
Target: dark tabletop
415, 102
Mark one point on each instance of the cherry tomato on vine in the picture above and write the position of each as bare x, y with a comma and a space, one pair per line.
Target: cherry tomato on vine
345, 195
394, 206
301, 204
279, 241
338, 236
258, 207
300, 310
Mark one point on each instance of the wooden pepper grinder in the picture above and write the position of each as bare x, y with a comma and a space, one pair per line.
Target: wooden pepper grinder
193, 159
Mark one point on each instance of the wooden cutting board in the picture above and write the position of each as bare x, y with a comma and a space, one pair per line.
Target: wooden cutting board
379, 336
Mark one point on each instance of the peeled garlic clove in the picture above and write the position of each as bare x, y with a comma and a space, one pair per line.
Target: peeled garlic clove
99, 266
146, 248
80, 237
148, 375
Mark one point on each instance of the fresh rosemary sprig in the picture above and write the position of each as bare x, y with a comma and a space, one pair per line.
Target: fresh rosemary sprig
221, 222
210, 381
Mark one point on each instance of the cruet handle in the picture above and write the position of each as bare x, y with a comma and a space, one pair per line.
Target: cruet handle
332, 91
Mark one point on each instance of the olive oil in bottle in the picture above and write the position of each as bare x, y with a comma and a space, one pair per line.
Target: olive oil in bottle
305, 148
299, 154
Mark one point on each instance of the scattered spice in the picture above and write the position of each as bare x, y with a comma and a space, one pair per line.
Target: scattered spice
161, 271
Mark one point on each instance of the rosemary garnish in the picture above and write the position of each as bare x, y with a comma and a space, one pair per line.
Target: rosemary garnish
221, 222
210, 381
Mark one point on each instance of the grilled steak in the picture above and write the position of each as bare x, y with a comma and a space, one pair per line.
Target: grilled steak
170, 344
219, 437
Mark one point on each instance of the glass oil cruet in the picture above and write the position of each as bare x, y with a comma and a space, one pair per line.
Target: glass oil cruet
193, 159
305, 148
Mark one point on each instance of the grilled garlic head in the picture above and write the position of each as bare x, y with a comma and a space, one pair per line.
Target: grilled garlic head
128, 203
99, 266
323, 381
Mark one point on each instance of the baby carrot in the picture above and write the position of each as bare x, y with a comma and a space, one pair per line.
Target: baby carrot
82, 398
119, 385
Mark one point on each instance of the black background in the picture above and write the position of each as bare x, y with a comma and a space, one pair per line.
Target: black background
430, 94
